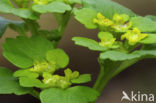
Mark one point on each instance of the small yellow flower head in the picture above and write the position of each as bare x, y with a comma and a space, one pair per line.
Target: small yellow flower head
71, 75
121, 18
102, 21
42, 2
121, 23
55, 81
107, 39
133, 36
122, 27
44, 66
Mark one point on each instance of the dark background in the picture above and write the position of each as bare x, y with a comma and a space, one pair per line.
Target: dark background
139, 77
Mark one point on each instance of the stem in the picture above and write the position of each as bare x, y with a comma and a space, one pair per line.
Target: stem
64, 22
107, 68
33, 26
100, 77
101, 81
35, 94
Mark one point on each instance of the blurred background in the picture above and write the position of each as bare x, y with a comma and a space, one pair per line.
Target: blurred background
139, 77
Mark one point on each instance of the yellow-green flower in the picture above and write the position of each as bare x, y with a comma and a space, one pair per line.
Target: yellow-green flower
102, 21
107, 39
71, 75
121, 18
42, 2
55, 81
133, 36
44, 66
121, 23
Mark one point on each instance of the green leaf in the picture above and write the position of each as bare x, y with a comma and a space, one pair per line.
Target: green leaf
153, 18
75, 1
107, 7
9, 84
59, 57
7, 7
84, 78
25, 73
78, 94
54, 7
86, 16
86, 42
150, 39
16, 25
23, 51
31, 82
144, 24
121, 56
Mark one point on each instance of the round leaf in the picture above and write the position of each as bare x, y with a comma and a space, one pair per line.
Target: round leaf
9, 84
54, 7
78, 94
59, 57
23, 51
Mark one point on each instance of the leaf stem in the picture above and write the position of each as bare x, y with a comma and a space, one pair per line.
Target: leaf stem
35, 94
33, 26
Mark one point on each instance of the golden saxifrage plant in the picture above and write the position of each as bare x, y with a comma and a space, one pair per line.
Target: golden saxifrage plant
124, 38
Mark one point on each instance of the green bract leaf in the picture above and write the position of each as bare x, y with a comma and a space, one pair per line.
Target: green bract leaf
23, 51
107, 7
84, 78
120, 56
59, 57
144, 24
55, 7
9, 84
16, 25
86, 42
7, 7
31, 82
78, 94
26, 73
150, 39
75, 1
86, 16
153, 18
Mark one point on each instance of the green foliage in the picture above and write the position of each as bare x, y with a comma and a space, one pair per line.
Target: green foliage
75, 1
9, 84
89, 43
53, 7
58, 56
144, 24
23, 51
78, 94
25, 73
18, 26
86, 16
7, 7
120, 33
107, 7
120, 56
153, 18
31, 82
84, 78
151, 39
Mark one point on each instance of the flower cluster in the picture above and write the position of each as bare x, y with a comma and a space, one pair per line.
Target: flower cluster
119, 28
45, 72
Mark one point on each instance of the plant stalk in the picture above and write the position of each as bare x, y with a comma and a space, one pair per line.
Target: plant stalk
35, 94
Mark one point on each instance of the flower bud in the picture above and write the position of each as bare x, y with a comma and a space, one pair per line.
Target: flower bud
133, 36
102, 21
107, 39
